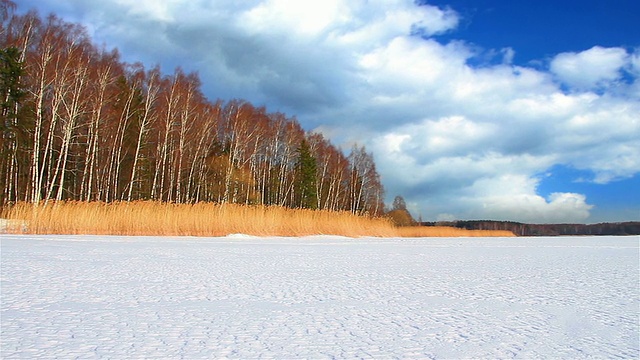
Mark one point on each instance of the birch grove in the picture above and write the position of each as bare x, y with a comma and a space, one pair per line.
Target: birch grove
89, 127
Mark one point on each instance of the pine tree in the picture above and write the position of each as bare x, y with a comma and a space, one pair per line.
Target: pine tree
11, 94
11, 91
306, 177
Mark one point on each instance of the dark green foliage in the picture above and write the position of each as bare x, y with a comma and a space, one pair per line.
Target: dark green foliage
306, 177
11, 92
12, 130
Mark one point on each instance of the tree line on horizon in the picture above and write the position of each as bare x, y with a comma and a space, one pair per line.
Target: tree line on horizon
565, 229
79, 124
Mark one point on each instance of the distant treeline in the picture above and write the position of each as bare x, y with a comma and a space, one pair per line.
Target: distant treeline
521, 229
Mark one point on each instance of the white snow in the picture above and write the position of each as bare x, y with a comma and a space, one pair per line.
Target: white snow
319, 297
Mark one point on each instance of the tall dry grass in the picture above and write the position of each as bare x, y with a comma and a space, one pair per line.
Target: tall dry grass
202, 219
448, 231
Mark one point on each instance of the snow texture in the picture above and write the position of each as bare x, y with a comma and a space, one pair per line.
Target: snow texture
319, 297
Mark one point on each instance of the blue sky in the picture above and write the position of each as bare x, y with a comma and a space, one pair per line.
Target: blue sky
542, 29
485, 109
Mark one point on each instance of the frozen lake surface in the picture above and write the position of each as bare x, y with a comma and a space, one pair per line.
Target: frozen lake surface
319, 297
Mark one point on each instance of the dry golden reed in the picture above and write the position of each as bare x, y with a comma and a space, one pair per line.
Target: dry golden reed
201, 219
448, 231
204, 219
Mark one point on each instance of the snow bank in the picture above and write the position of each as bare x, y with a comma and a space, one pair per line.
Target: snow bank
319, 297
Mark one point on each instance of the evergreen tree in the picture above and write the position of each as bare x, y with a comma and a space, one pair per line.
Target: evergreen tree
11, 94
306, 177
11, 69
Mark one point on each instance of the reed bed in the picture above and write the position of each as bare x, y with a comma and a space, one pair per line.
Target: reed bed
203, 219
448, 231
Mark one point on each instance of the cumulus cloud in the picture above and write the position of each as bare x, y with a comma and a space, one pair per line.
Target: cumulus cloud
458, 140
434, 20
294, 17
591, 68
514, 197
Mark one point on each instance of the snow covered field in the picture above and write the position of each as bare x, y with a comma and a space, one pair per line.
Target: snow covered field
319, 297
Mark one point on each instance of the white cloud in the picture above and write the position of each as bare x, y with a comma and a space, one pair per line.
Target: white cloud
509, 197
294, 17
432, 138
501, 120
532, 208
410, 62
602, 136
507, 55
513, 197
591, 68
434, 20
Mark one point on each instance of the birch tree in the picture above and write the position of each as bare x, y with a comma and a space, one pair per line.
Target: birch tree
151, 84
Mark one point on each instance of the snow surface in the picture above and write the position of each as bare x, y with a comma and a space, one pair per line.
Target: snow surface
319, 297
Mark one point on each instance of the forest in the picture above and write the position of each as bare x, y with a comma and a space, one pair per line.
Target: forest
79, 124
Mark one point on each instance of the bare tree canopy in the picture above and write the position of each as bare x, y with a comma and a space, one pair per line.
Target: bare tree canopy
79, 124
